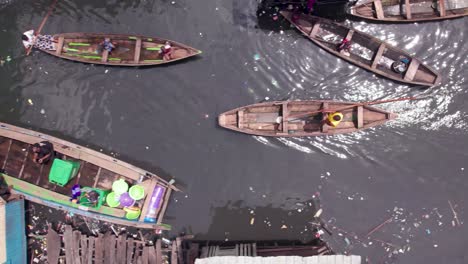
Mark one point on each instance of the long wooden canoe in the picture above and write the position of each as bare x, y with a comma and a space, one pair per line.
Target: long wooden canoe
366, 51
291, 118
410, 10
131, 50
96, 171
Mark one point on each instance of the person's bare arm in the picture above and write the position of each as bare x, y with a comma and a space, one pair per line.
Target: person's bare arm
35, 157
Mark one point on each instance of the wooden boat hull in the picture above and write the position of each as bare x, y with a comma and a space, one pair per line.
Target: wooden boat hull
366, 51
130, 50
418, 10
96, 170
276, 119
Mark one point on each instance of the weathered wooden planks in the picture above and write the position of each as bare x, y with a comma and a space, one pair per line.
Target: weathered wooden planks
53, 246
137, 50
59, 48
378, 56
379, 9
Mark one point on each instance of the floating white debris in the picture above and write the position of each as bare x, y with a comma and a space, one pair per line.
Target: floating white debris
267, 98
284, 227
106, 71
252, 220
42, 111
328, 173
318, 213
30, 102
435, 245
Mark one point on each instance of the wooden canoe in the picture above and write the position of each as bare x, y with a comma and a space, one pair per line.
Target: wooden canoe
366, 51
280, 118
410, 10
130, 50
96, 170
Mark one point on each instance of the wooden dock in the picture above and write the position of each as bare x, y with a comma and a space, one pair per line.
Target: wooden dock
73, 247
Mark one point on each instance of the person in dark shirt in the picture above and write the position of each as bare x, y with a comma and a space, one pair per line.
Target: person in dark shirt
43, 152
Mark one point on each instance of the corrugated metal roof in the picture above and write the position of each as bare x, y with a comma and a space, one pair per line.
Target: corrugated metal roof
332, 259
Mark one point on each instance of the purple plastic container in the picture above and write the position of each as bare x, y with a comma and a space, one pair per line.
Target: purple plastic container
155, 203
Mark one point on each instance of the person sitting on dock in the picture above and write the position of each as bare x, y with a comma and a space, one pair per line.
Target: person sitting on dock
334, 119
107, 45
43, 152
166, 51
45, 42
344, 47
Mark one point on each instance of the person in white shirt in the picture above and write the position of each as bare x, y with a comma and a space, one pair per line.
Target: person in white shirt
45, 42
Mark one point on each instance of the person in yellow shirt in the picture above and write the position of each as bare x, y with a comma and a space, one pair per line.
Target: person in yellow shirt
334, 119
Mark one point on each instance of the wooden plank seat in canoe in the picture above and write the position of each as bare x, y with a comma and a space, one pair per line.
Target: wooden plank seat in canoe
366, 51
130, 50
303, 118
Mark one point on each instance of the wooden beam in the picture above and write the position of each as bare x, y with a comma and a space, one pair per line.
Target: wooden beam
360, 116
378, 55
76, 247
149, 192
99, 250
442, 11
105, 53
90, 249
379, 9
84, 249
53, 246
137, 50
412, 70
67, 240
163, 209
130, 247
408, 9
349, 36
59, 46
159, 257
24, 162
314, 29
285, 114
324, 118
8, 154
174, 253
240, 119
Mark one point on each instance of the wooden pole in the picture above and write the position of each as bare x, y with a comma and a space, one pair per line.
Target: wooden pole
292, 117
39, 29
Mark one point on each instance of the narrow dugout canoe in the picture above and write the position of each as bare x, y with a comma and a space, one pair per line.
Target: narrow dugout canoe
130, 50
394, 11
366, 51
96, 170
281, 118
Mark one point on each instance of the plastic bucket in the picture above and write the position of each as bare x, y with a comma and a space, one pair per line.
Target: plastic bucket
136, 192
111, 200
119, 186
132, 213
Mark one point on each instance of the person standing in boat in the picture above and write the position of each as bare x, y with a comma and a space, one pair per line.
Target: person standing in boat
44, 42
334, 119
344, 47
43, 152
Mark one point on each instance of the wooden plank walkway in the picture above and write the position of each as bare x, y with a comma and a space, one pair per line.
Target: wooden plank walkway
107, 248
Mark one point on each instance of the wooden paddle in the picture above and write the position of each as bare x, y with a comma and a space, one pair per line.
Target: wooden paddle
291, 117
39, 29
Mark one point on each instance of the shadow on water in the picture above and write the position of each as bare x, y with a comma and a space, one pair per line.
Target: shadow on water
261, 222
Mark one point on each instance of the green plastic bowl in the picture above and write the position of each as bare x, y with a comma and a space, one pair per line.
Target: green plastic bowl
111, 200
132, 214
136, 192
119, 186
